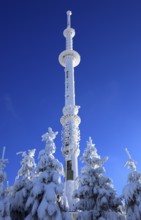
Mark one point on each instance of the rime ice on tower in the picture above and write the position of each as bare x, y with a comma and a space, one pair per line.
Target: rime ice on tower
70, 121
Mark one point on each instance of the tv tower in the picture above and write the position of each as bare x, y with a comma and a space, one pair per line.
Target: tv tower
70, 120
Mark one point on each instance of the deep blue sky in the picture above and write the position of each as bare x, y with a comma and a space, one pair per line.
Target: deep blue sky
108, 79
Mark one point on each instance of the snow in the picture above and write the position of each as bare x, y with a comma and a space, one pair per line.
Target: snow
132, 191
28, 165
38, 191
97, 197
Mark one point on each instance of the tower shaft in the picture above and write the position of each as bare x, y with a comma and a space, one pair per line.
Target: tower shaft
70, 120
69, 82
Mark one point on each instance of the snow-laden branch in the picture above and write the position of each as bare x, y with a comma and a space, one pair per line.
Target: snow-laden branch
130, 164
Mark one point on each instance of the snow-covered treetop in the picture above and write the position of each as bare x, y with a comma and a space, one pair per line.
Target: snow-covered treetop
49, 137
27, 164
130, 164
132, 189
90, 150
91, 157
47, 161
3, 163
134, 176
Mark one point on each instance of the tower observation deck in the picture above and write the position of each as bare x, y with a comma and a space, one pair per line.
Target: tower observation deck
70, 120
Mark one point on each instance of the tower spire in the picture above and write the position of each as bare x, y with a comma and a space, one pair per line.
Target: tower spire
70, 120
69, 13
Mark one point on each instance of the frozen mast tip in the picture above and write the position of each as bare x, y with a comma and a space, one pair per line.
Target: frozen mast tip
69, 13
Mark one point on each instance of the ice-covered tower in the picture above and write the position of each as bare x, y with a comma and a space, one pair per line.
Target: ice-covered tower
70, 120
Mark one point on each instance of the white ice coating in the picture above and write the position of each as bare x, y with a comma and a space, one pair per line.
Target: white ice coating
70, 121
69, 59
69, 82
69, 32
69, 13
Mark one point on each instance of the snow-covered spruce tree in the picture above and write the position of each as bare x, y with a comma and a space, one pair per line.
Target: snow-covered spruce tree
132, 191
97, 197
22, 185
46, 200
4, 197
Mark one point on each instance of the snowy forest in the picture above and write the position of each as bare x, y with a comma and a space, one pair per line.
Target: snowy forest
38, 191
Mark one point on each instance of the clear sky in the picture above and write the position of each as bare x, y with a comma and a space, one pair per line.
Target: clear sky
108, 79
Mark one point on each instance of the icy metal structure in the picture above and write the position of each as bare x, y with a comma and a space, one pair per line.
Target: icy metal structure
70, 120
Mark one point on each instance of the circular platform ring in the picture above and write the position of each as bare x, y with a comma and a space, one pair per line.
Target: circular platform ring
72, 53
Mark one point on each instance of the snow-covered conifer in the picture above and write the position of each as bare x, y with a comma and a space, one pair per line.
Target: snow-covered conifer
46, 197
132, 191
97, 197
27, 170
4, 197
23, 185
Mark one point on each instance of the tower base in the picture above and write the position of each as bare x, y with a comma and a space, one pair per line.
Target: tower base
70, 186
70, 215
